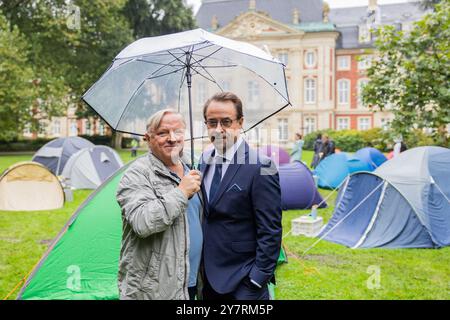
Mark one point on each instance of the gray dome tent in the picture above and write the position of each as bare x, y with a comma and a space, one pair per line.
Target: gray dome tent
405, 203
90, 167
55, 154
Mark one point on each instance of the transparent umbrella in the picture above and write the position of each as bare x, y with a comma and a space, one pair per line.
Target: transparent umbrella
181, 71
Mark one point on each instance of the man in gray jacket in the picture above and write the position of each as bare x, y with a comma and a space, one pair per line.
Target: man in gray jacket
154, 197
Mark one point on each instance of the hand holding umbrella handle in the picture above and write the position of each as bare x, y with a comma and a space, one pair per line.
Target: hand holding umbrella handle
190, 183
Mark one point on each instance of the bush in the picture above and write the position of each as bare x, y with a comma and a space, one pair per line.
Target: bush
18, 145
99, 140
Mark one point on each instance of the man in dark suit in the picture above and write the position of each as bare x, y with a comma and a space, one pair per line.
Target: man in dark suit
242, 214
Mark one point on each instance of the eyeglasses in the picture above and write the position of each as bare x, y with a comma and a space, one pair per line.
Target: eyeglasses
224, 123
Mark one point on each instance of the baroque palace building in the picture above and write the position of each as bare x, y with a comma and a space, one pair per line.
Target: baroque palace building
326, 53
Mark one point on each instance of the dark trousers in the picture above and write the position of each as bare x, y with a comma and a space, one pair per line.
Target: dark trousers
192, 292
244, 291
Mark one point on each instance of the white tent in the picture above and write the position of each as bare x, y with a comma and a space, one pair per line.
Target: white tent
89, 167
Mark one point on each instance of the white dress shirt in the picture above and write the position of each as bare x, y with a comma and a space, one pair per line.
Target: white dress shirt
226, 158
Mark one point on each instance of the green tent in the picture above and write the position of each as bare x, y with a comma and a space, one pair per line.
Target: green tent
82, 262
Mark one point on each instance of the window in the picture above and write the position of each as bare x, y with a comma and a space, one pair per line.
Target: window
73, 128
385, 123
310, 59
42, 127
343, 62
101, 128
364, 34
364, 62
282, 129
27, 129
343, 91
343, 123
310, 125
201, 93
363, 123
310, 90
225, 85
88, 127
254, 136
283, 57
253, 91
56, 128
361, 84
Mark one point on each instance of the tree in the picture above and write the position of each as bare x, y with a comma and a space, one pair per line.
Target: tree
16, 82
411, 75
68, 59
428, 4
158, 17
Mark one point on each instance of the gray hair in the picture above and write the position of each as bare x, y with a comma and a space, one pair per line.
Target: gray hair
154, 121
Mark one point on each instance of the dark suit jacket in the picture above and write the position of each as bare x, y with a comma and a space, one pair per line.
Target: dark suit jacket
242, 226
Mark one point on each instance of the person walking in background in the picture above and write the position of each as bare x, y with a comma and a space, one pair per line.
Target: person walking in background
327, 147
399, 146
296, 153
316, 148
134, 147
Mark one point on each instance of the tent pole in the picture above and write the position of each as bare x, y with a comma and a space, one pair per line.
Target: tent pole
189, 84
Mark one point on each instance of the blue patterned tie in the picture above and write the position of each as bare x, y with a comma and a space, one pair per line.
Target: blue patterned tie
215, 183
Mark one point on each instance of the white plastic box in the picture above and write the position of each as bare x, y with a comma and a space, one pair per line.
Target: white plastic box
306, 225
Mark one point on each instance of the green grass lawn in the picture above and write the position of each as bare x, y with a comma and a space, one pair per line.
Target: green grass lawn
327, 271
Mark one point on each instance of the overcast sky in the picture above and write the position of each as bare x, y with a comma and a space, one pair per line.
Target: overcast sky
332, 3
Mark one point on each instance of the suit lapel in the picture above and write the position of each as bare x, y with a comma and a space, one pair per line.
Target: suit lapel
239, 159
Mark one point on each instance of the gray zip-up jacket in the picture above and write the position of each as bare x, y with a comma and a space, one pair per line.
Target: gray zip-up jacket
154, 261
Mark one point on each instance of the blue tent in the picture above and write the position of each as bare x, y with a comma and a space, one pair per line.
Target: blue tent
372, 156
298, 190
405, 203
333, 170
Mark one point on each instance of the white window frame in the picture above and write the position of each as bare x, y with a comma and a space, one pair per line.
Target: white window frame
225, 85
360, 126
344, 93
347, 121
310, 90
309, 124
73, 125
283, 129
283, 57
308, 63
384, 123
56, 127
364, 34
341, 66
201, 93
253, 91
360, 87
364, 62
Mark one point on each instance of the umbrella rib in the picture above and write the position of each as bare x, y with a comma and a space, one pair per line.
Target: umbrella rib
179, 90
270, 115
129, 101
212, 78
160, 64
177, 58
200, 74
209, 55
164, 74
162, 67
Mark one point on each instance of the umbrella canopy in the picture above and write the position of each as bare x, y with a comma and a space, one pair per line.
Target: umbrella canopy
181, 71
